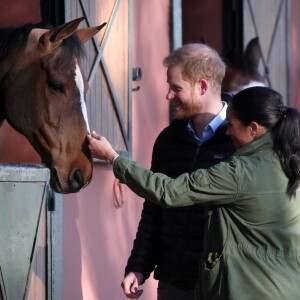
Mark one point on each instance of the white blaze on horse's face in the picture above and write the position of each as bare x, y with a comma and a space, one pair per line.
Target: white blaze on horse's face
80, 85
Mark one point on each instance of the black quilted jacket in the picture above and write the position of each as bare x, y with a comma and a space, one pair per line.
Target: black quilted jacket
170, 240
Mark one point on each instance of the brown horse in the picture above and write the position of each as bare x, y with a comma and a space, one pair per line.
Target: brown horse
242, 69
42, 96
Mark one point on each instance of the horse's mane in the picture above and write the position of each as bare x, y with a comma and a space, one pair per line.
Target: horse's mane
12, 39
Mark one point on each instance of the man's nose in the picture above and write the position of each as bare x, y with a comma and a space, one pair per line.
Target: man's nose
170, 95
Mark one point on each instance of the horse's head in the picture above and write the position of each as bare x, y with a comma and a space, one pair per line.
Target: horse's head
242, 69
43, 88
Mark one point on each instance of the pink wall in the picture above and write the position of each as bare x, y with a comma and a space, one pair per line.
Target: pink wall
97, 237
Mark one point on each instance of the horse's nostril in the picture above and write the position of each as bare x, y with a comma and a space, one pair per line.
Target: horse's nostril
77, 179
63, 185
54, 181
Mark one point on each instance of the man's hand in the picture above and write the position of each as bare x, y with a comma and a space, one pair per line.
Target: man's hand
131, 283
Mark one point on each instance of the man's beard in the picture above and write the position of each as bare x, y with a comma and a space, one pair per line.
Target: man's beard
186, 110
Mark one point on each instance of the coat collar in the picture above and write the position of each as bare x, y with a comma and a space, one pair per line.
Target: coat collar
262, 143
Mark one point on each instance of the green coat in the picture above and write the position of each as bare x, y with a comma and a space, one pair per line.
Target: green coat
252, 248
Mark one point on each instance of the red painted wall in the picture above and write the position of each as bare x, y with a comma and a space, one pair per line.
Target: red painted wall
19, 12
14, 148
202, 19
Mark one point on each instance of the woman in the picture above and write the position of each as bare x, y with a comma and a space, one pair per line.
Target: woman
253, 226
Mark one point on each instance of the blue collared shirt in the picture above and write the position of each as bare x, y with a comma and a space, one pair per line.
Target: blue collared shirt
211, 128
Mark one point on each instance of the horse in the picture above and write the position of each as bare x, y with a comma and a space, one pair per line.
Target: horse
42, 96
242, 69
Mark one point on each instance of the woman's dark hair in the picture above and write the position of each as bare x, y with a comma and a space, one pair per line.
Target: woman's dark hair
265, 107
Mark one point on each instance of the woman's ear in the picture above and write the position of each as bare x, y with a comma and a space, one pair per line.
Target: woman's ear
256, 130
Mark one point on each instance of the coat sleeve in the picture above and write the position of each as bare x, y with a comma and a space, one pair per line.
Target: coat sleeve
215, 186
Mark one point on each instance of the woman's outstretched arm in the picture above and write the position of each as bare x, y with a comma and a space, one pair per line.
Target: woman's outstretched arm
217, 185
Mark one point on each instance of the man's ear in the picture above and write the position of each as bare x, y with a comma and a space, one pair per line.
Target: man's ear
203, 86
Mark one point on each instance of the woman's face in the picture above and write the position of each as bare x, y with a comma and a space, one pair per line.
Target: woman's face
239, 133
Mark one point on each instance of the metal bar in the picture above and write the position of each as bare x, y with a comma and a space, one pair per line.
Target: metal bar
265, 62
176, 24
35, 241
275, 30
99, 48
54, 247
115, 101
3, 295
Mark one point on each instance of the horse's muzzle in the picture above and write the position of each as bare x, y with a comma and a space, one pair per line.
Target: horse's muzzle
72, 185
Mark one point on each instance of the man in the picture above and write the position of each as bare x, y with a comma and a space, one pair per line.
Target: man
169, 241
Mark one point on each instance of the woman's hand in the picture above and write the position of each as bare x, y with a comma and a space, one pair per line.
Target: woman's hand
101, 148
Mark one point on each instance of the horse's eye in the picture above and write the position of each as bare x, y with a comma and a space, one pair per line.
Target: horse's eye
57, 87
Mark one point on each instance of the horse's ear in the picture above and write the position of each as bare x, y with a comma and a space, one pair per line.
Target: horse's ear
86, 34
53, 38
253, 55
253, 52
